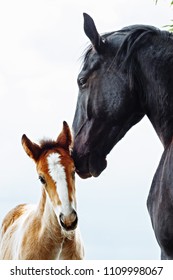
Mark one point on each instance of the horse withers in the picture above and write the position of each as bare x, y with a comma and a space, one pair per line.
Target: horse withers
46, 231
125, 75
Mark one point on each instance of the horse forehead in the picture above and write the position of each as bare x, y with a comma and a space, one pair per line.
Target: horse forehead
91, 60
113, 42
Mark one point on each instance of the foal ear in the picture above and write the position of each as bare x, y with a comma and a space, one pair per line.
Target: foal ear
65, 138
92, 33
33, 150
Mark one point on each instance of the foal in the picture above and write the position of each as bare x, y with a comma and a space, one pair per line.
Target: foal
46, 231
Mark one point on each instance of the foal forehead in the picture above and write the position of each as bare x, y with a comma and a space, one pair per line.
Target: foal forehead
54, 158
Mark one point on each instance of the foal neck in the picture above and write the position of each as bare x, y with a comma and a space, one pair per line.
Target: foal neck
49, 220
62, 244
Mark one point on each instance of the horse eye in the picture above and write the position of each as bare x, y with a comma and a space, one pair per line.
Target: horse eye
42, 180
82, 82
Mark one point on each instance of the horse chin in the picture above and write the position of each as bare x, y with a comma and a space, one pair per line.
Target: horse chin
83, 175
96, 165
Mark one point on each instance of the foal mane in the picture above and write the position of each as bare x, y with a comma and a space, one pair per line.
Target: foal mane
48, 144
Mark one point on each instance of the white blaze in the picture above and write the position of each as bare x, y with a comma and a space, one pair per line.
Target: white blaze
57, 172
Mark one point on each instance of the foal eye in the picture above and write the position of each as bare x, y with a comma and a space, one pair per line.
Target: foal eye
42, 180
73, 175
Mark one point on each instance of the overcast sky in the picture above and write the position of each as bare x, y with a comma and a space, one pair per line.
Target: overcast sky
41, 42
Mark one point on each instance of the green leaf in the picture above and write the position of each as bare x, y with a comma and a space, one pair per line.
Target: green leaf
169, 27
156, 1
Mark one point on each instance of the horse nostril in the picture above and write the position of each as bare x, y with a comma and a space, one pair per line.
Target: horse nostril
69, 222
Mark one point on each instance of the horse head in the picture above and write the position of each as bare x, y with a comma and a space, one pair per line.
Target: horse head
107, 105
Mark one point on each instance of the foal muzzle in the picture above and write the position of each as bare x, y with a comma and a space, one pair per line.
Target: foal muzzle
68, 222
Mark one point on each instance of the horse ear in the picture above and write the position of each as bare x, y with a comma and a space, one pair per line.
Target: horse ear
33, 150
92, 33
65, 139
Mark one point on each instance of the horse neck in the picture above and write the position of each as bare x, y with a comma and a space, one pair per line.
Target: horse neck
157, 91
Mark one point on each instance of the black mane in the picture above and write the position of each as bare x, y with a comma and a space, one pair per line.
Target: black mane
132, 37
136, 36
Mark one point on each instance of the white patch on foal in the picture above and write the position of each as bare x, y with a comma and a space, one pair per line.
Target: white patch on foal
20, 230
57, 172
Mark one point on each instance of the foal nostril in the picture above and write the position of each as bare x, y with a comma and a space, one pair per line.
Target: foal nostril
69, 222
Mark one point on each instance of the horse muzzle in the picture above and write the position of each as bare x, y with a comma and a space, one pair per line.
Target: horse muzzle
69, 222
89, 165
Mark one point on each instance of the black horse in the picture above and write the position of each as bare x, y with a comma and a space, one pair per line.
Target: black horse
128, 74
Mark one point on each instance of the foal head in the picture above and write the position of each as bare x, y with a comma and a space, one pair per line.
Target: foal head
56, 172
